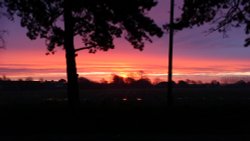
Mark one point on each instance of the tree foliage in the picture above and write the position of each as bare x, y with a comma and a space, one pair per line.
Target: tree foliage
97, 22
224, 13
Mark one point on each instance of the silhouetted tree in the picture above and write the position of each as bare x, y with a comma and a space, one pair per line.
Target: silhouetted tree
28, 79
97, 22
240, 83
5, 78
182, 83
129, 80
141, 74
233, 79
225, 13
191, 81
156, 81
63, 81
162, 85
86, 83
83, 80
143, 83
117, 81
215, 83
103, 81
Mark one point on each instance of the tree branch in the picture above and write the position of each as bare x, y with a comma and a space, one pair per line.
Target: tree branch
223, 24
83, 48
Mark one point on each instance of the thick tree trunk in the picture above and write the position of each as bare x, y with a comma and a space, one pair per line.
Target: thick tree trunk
72, 87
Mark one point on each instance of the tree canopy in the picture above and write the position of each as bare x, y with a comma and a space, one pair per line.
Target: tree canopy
97, 22
224, 13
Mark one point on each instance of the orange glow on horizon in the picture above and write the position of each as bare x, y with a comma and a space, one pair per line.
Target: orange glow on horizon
103, 64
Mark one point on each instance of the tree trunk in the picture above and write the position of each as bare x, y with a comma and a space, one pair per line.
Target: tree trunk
72, 76
170, 99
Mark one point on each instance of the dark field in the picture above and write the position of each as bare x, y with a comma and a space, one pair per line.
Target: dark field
197, 114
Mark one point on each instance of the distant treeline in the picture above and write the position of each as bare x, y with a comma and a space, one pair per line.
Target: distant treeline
116, 82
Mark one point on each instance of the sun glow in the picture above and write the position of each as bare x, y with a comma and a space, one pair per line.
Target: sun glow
123, 74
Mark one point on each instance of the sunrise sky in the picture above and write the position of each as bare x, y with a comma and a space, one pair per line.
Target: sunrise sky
197, 55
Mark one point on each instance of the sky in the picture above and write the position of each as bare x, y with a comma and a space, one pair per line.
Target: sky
197, 55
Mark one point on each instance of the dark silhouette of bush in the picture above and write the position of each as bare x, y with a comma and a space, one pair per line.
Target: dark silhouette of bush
143, 83
182, 83
117, 81
129, 80
85, 83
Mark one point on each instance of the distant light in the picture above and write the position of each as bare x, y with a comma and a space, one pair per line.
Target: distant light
138, 99
124, 99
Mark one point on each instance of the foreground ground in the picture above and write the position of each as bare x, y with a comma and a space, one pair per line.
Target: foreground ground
198, 114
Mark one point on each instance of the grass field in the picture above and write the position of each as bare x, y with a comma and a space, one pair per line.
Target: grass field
198, 113
148, 96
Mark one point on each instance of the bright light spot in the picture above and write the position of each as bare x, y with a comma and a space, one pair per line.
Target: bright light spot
124, 99
138, 99
123, 74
